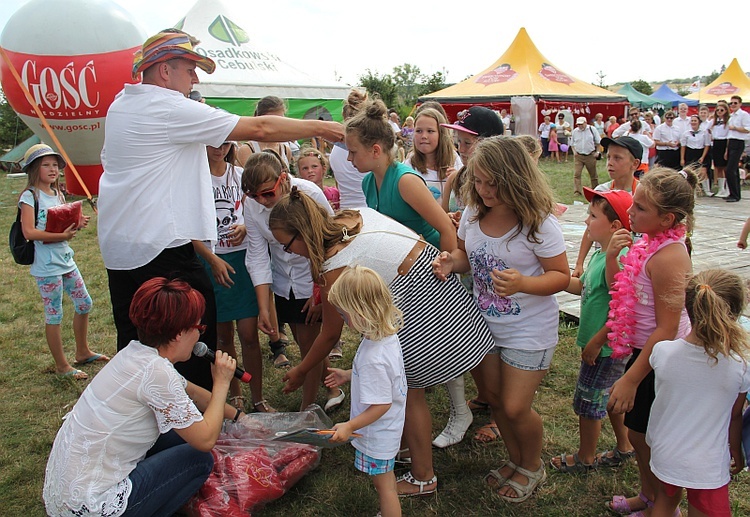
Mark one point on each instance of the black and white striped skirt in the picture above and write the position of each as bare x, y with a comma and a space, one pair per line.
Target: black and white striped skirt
444, 335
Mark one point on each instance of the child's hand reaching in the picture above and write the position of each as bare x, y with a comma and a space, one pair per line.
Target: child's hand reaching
506, 282
343, 432
337, 377
442, 266
590, 353
622, 238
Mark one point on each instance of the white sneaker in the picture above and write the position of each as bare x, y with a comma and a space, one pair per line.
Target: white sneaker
723, 193
455, 429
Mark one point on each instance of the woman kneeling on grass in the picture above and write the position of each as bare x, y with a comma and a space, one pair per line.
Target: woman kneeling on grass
136, 442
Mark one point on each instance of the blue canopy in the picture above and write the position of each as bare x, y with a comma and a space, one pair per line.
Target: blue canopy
670, 97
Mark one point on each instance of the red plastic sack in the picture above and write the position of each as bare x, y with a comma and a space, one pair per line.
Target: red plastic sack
59, 218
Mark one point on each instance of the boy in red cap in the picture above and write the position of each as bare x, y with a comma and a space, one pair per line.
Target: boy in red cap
608, 212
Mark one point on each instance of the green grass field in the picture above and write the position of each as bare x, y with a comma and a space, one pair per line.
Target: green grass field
34, 401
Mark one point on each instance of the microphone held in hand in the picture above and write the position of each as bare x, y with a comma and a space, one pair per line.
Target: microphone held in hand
201, 350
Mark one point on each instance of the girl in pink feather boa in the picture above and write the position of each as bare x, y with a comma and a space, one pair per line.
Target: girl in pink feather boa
648, 305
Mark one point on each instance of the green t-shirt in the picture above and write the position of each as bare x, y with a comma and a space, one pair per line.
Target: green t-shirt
388, 201
594, 300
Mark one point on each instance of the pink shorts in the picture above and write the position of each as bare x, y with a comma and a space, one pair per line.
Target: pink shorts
711, 501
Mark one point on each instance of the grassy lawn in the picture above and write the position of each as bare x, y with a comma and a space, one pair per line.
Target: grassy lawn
34, 401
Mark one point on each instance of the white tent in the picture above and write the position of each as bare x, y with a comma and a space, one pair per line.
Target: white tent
246, 72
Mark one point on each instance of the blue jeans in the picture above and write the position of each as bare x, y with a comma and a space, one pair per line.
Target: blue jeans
170, 474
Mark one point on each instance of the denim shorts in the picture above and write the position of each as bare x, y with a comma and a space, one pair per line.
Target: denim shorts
530, 360
372, 466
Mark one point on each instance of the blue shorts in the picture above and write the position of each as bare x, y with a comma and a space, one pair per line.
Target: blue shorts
529, 360
372, 466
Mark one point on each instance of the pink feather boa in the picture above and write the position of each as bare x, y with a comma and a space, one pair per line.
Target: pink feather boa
624, 297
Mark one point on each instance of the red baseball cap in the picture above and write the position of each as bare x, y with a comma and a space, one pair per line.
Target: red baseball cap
619, 200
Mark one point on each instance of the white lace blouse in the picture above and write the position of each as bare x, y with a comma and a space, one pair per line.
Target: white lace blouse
136, 397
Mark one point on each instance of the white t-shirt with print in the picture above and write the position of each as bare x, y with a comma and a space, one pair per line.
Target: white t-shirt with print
521, 321
228, 197
378, 377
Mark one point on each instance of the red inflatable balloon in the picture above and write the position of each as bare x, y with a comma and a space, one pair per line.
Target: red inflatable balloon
73, 56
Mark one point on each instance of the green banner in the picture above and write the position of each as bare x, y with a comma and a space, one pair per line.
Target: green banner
310, 109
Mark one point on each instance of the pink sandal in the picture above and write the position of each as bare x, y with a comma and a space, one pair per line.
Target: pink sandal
619, 504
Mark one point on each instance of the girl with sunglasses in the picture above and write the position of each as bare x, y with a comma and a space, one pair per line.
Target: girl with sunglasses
274, 269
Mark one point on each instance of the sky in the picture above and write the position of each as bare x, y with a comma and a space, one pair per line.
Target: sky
341, 39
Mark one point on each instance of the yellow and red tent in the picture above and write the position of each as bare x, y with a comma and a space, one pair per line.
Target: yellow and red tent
732, 81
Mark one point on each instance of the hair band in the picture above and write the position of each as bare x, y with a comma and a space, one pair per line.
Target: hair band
682, 173
704, 287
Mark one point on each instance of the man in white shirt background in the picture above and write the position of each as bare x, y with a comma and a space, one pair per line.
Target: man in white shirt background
584, 142
739, 133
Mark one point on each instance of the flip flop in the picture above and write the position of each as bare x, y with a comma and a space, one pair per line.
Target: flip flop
93, 359
76, 374
487, 433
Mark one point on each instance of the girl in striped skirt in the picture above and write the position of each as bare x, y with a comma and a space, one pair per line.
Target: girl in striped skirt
434, 350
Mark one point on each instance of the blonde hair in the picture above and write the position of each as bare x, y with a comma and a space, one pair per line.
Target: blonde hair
353, 104
671, 192
362, 294
520, 184
714, 300
532, 146
445, 153
299, 214
307, 152
371, 127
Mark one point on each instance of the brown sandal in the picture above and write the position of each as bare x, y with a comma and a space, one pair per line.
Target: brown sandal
262, 406
238, 402
487, 433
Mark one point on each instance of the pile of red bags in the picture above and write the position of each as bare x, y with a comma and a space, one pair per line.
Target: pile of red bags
251, 469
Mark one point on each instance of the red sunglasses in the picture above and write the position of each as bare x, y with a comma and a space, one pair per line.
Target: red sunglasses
268, 194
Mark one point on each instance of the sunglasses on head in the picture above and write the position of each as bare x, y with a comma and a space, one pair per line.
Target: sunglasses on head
268, 194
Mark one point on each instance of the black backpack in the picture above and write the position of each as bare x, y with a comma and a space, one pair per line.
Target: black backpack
21, 249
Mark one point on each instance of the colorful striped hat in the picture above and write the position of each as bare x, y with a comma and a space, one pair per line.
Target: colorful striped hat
169, 44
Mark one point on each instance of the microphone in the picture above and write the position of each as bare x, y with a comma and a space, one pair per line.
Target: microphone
201, 350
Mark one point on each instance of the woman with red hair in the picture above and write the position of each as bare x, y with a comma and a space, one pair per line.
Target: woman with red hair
137, 442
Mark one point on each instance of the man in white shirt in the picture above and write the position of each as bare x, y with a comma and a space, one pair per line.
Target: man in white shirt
624, 129
667, 140
155, 194
394, 122
505, 118
682, 121
739, 134
584, 142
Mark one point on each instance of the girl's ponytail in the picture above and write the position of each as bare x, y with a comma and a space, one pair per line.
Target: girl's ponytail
714, 300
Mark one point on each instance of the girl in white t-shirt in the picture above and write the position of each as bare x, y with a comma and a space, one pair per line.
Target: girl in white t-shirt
701, 384
510, 240
378, 398
434, 157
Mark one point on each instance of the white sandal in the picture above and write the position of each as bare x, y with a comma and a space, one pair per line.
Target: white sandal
535, 478
408, 478
403, 456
